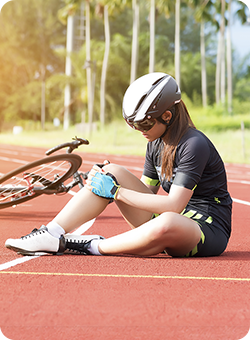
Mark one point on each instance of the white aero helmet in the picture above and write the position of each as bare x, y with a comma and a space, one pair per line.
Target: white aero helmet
150, 96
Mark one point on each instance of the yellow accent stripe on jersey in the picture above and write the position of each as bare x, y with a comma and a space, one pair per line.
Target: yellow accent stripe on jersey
150, 181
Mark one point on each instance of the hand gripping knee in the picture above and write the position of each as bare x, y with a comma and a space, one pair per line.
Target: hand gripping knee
105, 185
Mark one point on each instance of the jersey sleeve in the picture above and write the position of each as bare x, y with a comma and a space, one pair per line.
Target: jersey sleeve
150, 175
191, 161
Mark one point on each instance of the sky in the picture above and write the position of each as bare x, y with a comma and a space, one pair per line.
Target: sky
240, 33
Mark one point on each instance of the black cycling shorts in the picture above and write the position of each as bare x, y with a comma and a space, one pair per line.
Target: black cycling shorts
213, 240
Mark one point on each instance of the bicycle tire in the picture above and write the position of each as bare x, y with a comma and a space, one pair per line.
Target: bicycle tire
33, 179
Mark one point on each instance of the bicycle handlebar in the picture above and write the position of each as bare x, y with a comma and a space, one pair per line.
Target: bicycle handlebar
70, 145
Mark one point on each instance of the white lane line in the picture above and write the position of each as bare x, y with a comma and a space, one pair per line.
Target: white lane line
15, 262
13, 160
84, 227
80, 230
236, 200
88, 224
238, 181
23, 259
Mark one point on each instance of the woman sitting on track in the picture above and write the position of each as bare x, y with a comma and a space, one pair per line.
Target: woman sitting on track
194, 219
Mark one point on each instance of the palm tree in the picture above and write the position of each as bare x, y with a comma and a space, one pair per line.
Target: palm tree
229, 62
203, 65
223, 61
88, 66
242, 15
177, 60
104, 10
152, 37
66, 15
202, 14
220, 63
221, 73
135, 39
166, 7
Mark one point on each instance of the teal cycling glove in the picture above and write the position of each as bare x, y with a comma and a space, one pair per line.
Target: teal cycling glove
105, 185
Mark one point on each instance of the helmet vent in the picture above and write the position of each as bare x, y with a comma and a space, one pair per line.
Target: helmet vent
140, 102
156, 102
157, 81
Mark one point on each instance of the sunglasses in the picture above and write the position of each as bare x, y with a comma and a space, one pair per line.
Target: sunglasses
143, 126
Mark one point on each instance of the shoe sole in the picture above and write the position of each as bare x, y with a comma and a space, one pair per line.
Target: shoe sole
31, 253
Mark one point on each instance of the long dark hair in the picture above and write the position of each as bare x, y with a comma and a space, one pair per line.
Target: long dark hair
181, 123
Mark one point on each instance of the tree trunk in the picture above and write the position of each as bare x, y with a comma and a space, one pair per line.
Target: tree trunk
135, 45
223, 63
203, 66
177, 42
88, 67
104, 65
229, 62
217, 75
68, 71
152, 37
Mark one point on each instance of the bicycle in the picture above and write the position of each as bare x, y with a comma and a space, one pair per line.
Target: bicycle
43, 176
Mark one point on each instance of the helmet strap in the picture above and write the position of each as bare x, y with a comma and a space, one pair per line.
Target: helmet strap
167, 123
164, 133
164, 122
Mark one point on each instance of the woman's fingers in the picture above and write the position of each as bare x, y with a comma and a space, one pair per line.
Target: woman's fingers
87, 186
92, 173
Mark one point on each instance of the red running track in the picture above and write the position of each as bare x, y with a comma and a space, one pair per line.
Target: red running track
121, 297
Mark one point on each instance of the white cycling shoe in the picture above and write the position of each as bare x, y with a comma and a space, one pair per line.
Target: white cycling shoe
79, 244
38, 242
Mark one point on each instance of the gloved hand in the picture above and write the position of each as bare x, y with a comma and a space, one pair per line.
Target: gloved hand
104, 185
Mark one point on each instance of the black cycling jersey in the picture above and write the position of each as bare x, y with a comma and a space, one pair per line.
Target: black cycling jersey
199, 167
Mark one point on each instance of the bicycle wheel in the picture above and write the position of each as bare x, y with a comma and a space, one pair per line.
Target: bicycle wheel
44, 176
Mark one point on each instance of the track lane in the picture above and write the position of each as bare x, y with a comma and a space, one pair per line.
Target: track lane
159, 297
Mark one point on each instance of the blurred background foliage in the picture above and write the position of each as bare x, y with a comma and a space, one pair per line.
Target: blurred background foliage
32, 52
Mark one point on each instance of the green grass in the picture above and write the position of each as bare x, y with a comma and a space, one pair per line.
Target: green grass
118, 138
230, 145
115, 138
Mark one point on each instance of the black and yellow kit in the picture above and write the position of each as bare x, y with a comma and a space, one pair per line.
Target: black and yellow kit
198, 167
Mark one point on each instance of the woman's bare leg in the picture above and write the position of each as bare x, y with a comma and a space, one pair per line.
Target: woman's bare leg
85, 205
170, 231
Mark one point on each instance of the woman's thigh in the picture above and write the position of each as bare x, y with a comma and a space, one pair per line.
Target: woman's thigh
181, 233
212, 241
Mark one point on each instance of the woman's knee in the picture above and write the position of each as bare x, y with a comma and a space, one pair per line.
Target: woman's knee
164, 224
114, 169
126, 178
120, 173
